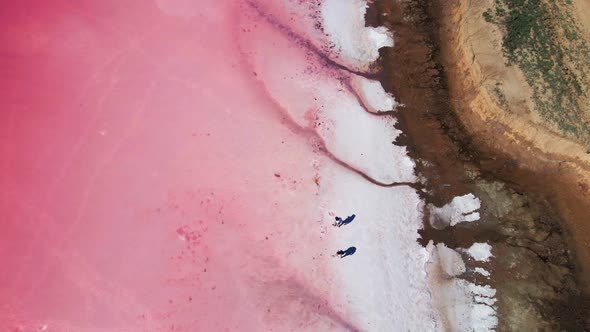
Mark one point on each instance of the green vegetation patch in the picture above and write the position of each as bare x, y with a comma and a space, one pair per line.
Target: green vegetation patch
542, 39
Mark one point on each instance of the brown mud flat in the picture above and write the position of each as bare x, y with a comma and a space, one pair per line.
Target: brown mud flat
528, 214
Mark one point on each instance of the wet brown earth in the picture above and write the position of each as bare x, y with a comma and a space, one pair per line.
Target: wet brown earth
538, 277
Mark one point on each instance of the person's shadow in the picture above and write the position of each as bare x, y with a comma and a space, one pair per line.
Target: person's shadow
346, 221
348, 252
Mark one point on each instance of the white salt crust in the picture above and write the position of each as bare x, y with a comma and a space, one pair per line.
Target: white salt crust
460, 209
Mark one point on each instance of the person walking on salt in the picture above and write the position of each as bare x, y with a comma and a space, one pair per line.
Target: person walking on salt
348, 252
340, 222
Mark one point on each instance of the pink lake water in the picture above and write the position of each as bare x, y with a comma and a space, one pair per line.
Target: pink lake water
147, 180
174, 165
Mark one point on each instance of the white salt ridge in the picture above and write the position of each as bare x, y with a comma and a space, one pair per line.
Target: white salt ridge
481, 314
372, 94
460, 209
485, 300
450, 260
357, 46
315, 99
470, 307
482, 271
461, 305
481, 290
480, 251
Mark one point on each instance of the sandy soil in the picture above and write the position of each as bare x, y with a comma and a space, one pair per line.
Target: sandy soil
582, 10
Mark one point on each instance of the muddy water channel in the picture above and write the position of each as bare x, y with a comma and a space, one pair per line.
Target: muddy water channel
533, 269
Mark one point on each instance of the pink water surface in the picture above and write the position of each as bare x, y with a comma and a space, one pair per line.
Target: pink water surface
148, 182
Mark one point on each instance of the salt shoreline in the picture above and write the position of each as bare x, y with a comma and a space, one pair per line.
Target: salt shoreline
461, 311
